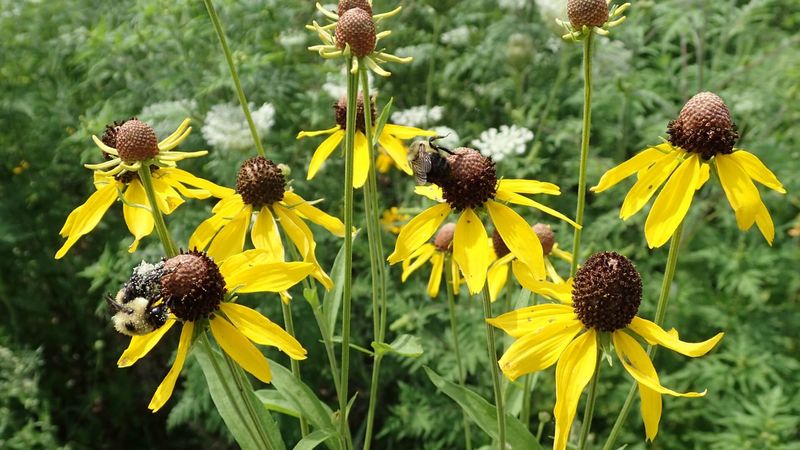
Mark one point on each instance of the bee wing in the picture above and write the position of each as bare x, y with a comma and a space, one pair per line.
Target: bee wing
421, 166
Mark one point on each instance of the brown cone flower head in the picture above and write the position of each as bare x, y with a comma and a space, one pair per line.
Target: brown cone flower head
546, 237
136, 141
346, 5
704, 126
592, 13
192, 286
260, 182
109, 138
340, 111
357, 28
607, 292
444, 237
472, 179
499, 245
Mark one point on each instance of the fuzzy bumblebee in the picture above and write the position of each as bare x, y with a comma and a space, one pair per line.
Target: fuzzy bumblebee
137, 307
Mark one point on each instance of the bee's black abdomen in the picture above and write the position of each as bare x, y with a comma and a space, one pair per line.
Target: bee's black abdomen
439, 170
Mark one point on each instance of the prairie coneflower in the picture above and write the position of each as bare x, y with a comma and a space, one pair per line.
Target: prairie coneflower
131, 143
196, 291
436, 252
468, 184
261, 189
390, 141
702, 136
604, 300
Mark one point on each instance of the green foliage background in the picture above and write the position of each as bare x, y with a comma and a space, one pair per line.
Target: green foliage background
68, 68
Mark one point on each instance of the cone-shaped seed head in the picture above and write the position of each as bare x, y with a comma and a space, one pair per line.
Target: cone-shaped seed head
607, 292
704, 126
546, 237
346, 5
192, 286
260, 182
472, 179
356, 27
444, 237
136, 141
593, 13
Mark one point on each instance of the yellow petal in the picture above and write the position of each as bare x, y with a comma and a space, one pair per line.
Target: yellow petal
230, 239
261, 330
172, 138
139, 220
742, 194
239, 262
185, 177
764, 223
672, 203
384, 162
436, 274
640, 161
757, 170
361, 160
647, 184
574, 370
236, 345
323, 152
303, 239
558, 291
518, 236
264, 234
511, 197
522, 186
164, 390
654, 334
141, 345
303, 134
85, 217
471, 250
404, 132
314, 214
223, 212
417, 260
269, 277
430, 191
539, 349
497, 276
704, 172
552, 273
532, 319
167, 197
417, 231
396, 150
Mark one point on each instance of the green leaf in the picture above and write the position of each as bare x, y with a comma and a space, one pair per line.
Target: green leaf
332, 301
485, 415
230, 401
405, 345
275, 401
383, 118
315, 438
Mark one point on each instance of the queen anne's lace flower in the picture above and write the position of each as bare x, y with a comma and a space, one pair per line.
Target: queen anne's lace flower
506, 141
418, 116
226, 127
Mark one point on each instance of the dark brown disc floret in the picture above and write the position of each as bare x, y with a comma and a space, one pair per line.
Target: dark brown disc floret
136, 141
260, 182
593, 13
704, 126
444, 237
546, 237
346, 5
472, 179
192, 286
607, 292
340, 112
356, 28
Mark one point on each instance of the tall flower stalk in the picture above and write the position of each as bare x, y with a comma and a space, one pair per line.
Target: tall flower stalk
462, 376
491, 347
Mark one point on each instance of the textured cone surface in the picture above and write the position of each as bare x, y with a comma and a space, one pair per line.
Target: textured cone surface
444, 238
260, 182
136, 141
593, 13
607, 292
546, 237
704, 126
109, 138
499, 245
340, 111
356, 27
192, 286
346, 5
472, 179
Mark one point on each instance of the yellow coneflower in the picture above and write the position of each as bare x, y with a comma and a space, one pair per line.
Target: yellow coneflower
261, 188
129, 141
702, 136
604, 300
436, 252
392, 219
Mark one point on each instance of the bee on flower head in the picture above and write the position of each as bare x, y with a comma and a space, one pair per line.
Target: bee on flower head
138, 308
429, 160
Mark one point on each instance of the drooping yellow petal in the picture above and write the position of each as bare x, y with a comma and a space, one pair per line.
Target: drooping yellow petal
471, 249
522, 186
640, 161
230, 239
558, 291
704, 173
185, 177
497, 276
654, 334
511, 197
532, 319
176, 135
552, 273
647, 184
167, 198
742, 194
417, 231
264, 233
764, 223
164, 390
436, 274
574, 370
518, 236
223, 212
323, 151
303, 239
430, 191
141, 345
269, 277
417, 260
236, 345
139, 220
361, 160
384, 162
261, 330
757, 170
539, 349
396, 150
403, 132
245, 260
672, 203
314, 214
304, 134
85, 217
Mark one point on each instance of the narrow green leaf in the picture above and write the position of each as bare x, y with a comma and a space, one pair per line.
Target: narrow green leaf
405, 345
332, 301
315, 438
383, 118
485, 415
275, 401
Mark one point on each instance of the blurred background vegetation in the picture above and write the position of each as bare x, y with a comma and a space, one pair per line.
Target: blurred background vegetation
68, 68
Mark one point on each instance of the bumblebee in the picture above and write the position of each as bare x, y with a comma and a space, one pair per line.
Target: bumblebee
137, 307
429, 161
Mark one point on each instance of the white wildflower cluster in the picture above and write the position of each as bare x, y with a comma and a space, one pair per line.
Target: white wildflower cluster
457, 37
292, 40
503, 142
418, 116
450, 138
615, 60
226, 127
513, 5
165, 116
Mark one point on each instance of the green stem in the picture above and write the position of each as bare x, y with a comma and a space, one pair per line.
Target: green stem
588, 413
376, 256
161, 227
661, 312
451, 306
491, 347
289, 323
243, 388
212, 13
585, 133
